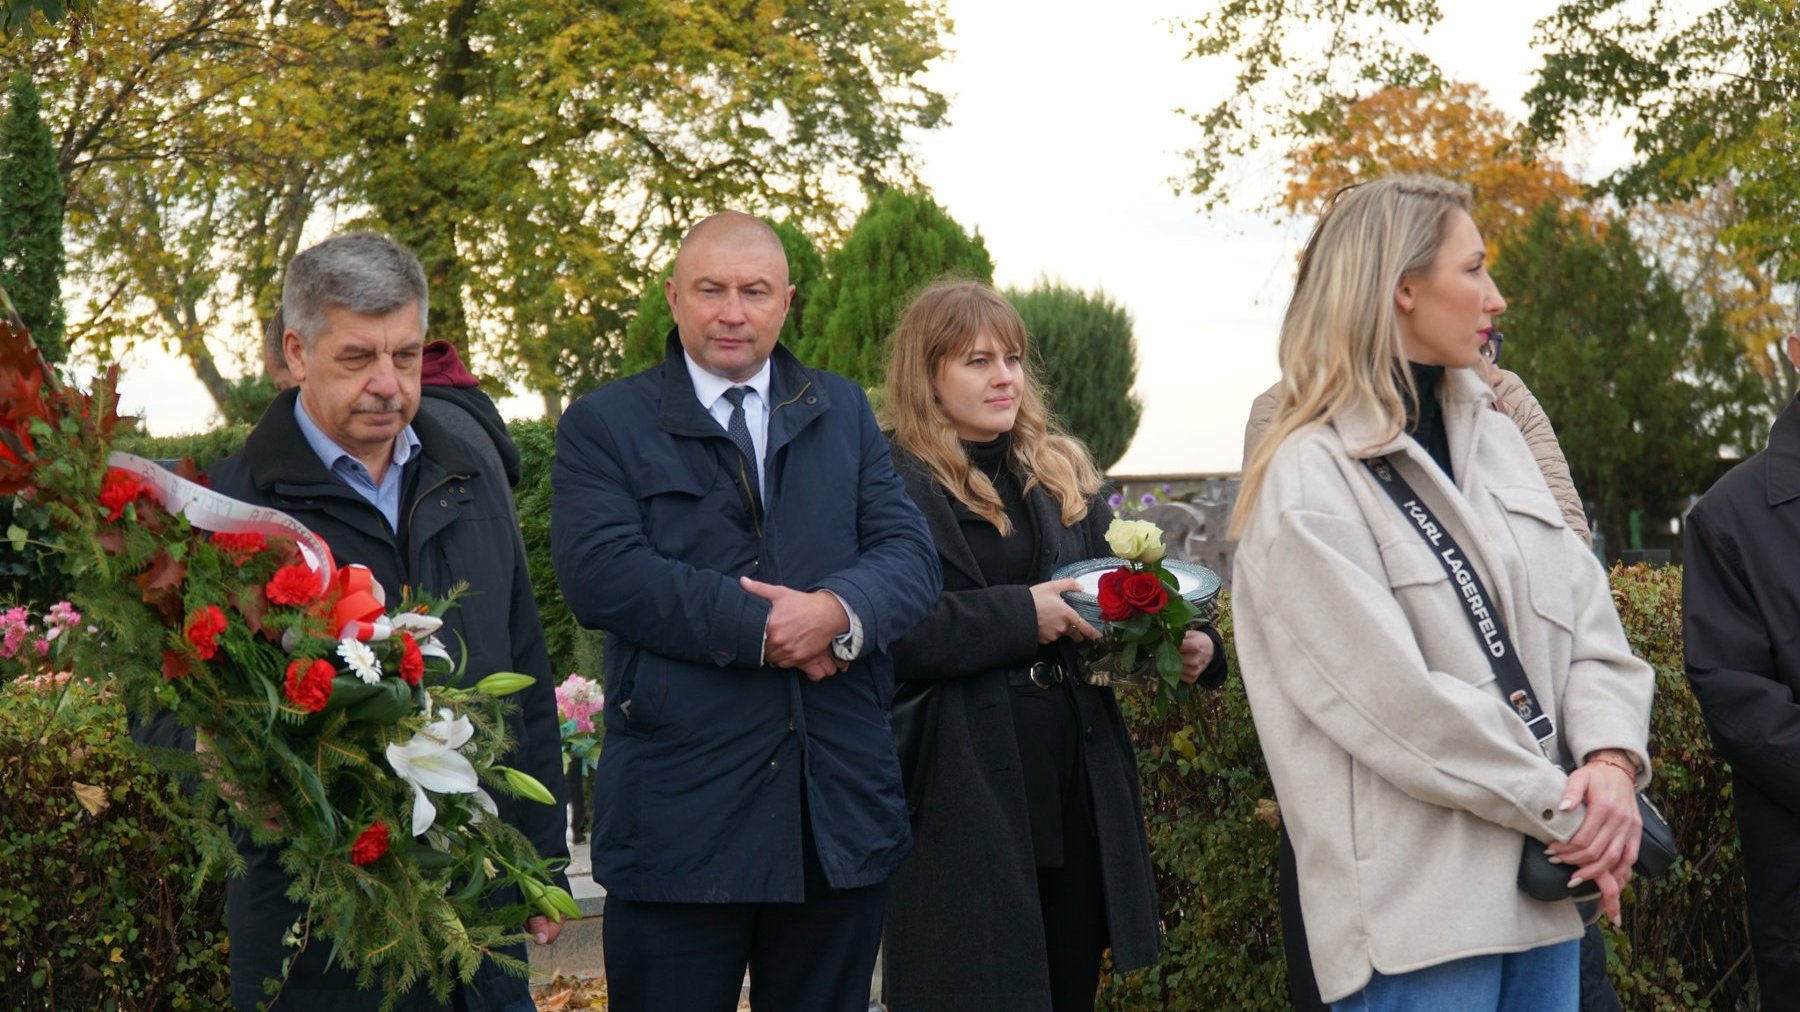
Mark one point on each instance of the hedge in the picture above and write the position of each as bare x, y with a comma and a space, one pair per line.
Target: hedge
97, 911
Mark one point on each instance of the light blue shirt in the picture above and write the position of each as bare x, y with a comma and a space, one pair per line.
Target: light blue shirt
344, 466
710, 390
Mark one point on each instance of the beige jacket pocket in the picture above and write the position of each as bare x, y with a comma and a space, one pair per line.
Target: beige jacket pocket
1537, 526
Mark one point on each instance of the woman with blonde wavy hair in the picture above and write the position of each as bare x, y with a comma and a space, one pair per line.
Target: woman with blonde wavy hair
1029, 856
1399, 559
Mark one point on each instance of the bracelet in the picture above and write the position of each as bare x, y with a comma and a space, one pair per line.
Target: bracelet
1616, 764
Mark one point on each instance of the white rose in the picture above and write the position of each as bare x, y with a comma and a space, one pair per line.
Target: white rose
1136, 541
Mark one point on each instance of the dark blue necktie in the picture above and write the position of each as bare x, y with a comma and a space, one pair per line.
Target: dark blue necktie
739, 431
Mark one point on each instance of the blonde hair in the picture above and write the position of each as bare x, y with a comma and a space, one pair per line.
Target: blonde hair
941, 323
1340, 338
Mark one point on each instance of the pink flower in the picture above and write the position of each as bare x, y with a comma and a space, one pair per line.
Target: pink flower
62, 615
578, 699
14, 628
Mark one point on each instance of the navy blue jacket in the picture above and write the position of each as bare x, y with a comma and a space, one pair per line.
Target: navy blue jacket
697, 797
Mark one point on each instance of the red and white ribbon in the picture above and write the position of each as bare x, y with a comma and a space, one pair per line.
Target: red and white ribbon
210, 511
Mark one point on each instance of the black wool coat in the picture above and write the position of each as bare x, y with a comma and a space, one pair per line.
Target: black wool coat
456, 525
1741, 629
964, 929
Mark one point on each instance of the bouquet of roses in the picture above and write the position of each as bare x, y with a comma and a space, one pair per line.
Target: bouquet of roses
328, 721
1145, 612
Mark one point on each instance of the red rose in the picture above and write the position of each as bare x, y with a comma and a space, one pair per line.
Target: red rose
370, 844
203, 629
1113, 606
295, 584
309, 688
241, 547
412, 662
120, 489
1144, 592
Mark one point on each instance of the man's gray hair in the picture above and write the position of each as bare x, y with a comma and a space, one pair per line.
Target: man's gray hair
359, 271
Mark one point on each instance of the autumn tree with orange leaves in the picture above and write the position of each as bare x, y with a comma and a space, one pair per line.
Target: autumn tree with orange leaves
1454, 133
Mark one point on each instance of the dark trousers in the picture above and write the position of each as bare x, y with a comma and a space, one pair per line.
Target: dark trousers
1597, 994
816, 956
1073, 901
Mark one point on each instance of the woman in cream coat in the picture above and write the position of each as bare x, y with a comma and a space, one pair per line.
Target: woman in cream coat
1407, 782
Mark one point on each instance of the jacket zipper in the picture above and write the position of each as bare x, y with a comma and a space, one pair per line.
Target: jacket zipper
744, 474
426, 494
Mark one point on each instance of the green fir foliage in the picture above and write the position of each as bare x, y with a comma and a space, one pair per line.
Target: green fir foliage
1646, 398
1086, 360
31, 217
900, 244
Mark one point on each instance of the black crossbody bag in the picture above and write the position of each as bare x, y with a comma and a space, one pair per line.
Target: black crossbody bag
1538, 878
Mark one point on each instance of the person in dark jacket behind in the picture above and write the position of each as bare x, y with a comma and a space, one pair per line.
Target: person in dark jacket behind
346, 454
1743, 661
1029, 856
733, 521
452, 396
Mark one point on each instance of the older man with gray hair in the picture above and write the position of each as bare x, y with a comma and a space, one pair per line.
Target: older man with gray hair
346, 453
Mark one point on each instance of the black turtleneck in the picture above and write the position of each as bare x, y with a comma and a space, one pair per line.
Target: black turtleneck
1008, 559
1425, 420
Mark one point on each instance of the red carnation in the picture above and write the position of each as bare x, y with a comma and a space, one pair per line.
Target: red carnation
1144, 592
295, 584
370, 844
309, 688
1113, 606
241, 547
412, 662
203, 629
120, 489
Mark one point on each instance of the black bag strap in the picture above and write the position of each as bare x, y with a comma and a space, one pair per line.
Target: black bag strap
1479, 606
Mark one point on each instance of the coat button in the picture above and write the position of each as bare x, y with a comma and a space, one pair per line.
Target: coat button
812, 400
1090, 732
791, 726
773, 763
1548, 815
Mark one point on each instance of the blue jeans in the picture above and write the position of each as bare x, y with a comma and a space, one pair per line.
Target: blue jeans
1544, 979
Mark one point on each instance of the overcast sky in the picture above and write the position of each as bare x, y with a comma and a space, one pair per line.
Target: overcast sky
1061, 144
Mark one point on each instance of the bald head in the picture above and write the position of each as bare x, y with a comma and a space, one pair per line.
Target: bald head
734, 231
729, 294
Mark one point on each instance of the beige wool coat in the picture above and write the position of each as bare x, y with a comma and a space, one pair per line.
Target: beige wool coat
1406, 782
1525, 411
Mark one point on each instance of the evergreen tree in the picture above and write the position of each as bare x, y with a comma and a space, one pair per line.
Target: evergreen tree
31, 217
644, 334
901, 243
1645, 399
1085, 358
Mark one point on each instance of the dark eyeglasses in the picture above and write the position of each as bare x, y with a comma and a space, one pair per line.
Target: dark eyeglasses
1491, 350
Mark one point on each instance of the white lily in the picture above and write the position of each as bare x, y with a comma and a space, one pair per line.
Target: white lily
430, 647
362, 660
419, 625
431, 762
